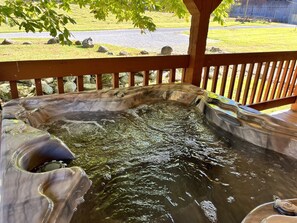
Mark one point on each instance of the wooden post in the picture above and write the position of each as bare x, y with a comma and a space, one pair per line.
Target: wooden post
200, 11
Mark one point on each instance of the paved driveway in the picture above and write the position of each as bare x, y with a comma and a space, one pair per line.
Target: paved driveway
150, 41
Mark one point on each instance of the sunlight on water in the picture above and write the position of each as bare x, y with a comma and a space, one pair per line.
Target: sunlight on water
163, 163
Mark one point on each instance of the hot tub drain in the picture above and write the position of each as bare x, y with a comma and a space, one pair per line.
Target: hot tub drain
49, 166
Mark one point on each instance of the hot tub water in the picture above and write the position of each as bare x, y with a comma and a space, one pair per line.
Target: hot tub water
163, 163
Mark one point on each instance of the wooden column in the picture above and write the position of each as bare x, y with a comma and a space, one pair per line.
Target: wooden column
200, 11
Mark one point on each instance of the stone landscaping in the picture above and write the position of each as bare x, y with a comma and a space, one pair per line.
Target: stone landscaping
26, 88
49, 85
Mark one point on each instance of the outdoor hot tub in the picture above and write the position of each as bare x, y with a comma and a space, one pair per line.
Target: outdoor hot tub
164, 153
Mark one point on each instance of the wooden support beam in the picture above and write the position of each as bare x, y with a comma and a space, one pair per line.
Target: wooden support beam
200, 11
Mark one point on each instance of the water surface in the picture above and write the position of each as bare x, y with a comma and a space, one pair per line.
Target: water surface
163, 163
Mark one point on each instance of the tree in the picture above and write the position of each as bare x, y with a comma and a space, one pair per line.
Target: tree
51, 15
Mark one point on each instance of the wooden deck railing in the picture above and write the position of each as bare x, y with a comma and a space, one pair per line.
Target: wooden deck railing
24, 70
260, 80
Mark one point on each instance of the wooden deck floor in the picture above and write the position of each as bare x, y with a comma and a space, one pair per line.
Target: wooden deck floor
288, 116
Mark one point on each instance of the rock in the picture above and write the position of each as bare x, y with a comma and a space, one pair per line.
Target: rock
166, 50
27, 82
110, 53
77, 43
90, 87
102, 49
87, 43
46, 88
69, 78
124, 78
5, 92
144, 52
122, 74
166, 73
49, 80
210, 211
123, 53
26, 91
54, 40
27, 43
69, 87
153, 75
215, 50
138, 79
7, 42
87, 79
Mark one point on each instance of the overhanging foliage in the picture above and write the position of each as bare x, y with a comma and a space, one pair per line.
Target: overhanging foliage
51, 15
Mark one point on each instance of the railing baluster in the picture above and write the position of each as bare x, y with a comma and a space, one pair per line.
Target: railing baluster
60, 85
80, 83
146, 77
292, 86
38, 86
247, 84
255, 85
215, 79
279, 70
232, 81
115, 80
240, 82
131, 79
283, 78
263, 81
205, 77
289, 78
159, 77
14, 89
224, 80
172, 75
98, 81
184, 70
268, 86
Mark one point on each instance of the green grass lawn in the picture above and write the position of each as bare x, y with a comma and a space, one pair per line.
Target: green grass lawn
86, 21
39, 50
254, 40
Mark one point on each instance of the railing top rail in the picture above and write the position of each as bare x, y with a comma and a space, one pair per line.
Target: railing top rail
21, 70
245, 58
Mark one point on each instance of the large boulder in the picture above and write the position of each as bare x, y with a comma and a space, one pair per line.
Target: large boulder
144, 52
7, 42
27, 43
54, 40
102, 49
46, 88
49, 80
87, 79
69, 78
26, 91
90, 87
69, 87
87, 43
123, 53
77, 43
5, 92
166, 50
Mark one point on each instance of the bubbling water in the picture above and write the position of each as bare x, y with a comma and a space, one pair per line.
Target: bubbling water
162, 163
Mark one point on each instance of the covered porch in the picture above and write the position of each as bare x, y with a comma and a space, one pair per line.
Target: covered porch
253, 80
258, 80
